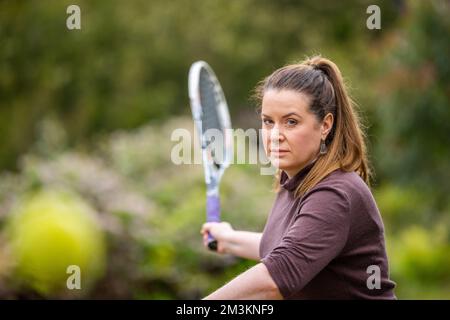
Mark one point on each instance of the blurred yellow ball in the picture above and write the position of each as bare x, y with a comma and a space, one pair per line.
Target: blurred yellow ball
51, 231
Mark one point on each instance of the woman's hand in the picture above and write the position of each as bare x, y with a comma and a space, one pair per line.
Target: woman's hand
242, 244
221, 231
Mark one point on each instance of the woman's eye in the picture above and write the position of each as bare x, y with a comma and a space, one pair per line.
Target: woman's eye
267, 122
291, 122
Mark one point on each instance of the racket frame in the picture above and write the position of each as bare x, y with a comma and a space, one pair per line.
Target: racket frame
213, 173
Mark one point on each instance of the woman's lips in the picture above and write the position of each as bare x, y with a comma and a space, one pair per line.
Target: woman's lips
278, 152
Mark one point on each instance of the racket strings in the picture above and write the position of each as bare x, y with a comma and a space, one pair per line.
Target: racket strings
210, 101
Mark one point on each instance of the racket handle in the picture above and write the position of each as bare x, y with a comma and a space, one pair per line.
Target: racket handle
212, 243
212, 215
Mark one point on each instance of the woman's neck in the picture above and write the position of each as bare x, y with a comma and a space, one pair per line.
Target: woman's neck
292, 173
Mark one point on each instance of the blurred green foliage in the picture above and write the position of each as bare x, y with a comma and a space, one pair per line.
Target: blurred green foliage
150, 210
91, 112
50, 231
129, 62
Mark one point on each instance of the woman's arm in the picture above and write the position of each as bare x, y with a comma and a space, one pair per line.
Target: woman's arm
242, 244
256, 283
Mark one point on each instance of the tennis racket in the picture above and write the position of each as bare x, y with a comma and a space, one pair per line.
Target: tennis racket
212, 120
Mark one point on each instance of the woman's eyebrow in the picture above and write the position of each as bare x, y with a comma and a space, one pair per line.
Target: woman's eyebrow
291, 114
285, 116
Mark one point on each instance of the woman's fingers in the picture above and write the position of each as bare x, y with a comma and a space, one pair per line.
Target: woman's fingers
220, 247
205, 240
218, 230
206, 227
210, 227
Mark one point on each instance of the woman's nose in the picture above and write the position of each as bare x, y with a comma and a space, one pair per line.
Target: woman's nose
276, 135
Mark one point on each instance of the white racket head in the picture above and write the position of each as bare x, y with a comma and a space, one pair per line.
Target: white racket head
210, 112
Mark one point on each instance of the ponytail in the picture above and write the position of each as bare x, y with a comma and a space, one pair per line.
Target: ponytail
351, 151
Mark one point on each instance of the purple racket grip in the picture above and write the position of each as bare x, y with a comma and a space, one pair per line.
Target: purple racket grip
212, 215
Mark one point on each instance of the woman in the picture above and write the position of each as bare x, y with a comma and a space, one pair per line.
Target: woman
324, 238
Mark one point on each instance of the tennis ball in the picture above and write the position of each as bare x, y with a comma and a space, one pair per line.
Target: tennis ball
50, 231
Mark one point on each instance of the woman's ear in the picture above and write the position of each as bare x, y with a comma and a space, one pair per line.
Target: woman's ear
327, 125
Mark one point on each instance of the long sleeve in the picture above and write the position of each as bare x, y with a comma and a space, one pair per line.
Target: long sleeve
316, 236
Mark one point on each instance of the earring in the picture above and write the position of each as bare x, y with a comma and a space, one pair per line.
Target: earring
323, 148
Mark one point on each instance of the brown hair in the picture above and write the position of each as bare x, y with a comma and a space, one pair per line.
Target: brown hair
321, 80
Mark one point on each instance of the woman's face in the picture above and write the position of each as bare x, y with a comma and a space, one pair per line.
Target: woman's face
291, 133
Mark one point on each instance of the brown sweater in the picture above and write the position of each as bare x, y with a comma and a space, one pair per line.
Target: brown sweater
327, 244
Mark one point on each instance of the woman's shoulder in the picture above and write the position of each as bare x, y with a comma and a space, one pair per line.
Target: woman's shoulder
345, 183
340, 192
344, 179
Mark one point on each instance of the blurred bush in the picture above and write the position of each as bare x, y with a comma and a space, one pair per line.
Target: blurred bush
150, 210
420, 262
49, 232
129, 62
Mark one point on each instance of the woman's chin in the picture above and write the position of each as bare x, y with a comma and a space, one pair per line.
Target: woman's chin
280, 163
